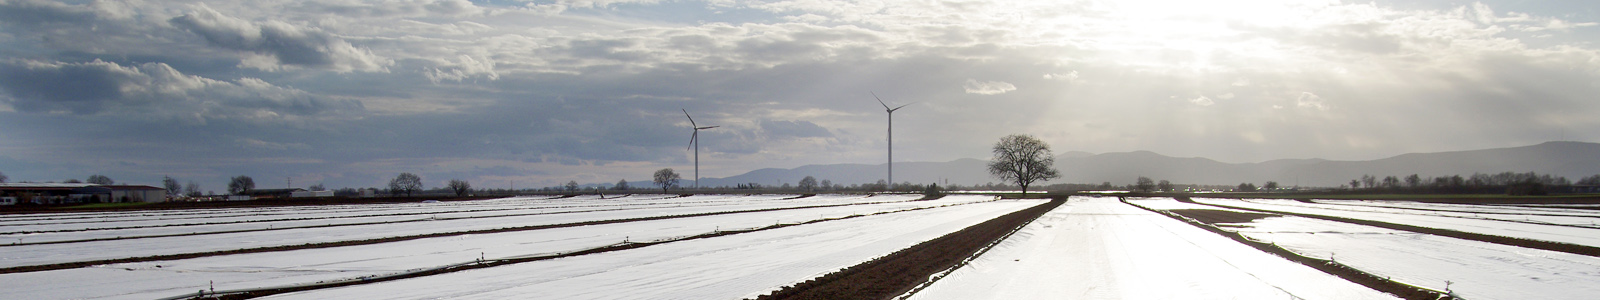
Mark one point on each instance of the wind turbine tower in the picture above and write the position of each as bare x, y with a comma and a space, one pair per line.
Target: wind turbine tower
891, 133
694, 142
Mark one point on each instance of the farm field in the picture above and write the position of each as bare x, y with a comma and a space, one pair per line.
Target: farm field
1470, 269
1550, 224
271, 235
744, 246
1099, 248
164, 278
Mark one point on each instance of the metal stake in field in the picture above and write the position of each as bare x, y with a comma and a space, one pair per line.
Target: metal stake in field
891, 134
694, 142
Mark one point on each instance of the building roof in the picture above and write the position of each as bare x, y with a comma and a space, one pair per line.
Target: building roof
35, 185
133, 187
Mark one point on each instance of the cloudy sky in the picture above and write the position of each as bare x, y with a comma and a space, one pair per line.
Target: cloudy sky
536, 93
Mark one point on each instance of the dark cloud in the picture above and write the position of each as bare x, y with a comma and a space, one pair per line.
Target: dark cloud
285, 44
32, 12
153, 90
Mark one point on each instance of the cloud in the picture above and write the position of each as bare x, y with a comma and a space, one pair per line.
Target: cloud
275, 45
793, 129
466, 67
152, 90
1202, 101
1069, 76
1309, 100
249, 143
974, 86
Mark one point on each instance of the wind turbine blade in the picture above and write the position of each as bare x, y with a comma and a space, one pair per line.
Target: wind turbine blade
707, 127
898, 107
880, 101
692, 139
691, 119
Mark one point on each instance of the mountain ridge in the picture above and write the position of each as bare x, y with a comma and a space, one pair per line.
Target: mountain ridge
1573, 160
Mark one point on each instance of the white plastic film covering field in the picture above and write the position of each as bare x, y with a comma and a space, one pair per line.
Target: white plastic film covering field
177, 277
1580, 235
1099, 248
23, 255
726, 267
1476, 270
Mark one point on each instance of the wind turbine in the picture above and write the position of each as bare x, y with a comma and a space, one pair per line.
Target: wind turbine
694, 142
891, 133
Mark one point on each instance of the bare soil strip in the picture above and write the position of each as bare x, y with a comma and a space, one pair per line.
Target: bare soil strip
1487, 238
1334, 268
901, 271
80, 264
262, 292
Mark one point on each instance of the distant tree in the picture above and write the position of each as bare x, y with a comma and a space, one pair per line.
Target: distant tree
1105, 185
1391, 182
1164, 185
572, 185
622, 185
1246, 187
3, 177
1369, 181
174, 188
1144, 184
881, 185
1591, 180
240, 184
317, 187
192, 189
72, 180
1355, 184
460, 187
99, 179
1024, 160
666, 178
405, 183
809, 183
1413, 181
827, 184
1270, 186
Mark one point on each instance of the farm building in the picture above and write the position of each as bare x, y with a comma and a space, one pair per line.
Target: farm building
66, 193
272, 193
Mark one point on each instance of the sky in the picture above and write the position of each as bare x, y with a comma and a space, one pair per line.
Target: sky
536, 93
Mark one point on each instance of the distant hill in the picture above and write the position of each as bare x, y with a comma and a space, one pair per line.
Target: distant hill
1573, 160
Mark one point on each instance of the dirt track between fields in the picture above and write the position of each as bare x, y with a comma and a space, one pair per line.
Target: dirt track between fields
899, 272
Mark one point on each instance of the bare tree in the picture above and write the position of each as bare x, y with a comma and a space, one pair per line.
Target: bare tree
317, 187
1164, 185
172, 185
461, 187
3, 177
827, 184
572, 186
99, 179
622, 185
405, 183
1246, 187
1354, 184
192, 189
240, 184
1413, 181
809, 183
1022, 159
1144, 184
667, 179
1270, 185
